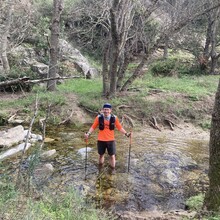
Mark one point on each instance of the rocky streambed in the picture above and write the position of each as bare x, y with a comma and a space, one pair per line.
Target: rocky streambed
165, 169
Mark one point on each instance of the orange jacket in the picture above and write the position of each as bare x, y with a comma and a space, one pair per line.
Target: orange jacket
106, 134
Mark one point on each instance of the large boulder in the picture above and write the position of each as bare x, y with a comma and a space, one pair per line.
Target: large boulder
71, 60
68, 52
12, 136
40, 68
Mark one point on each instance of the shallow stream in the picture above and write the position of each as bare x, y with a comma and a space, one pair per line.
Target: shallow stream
163, 171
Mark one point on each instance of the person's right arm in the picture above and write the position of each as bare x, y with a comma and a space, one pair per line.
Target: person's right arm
89, 133
92, 128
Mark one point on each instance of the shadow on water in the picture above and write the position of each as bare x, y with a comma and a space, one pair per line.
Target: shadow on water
163, 171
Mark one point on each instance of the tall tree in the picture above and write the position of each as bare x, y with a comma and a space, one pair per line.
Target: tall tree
54, 41
212, 40
6, 8
121, 16
212, 198
213, 53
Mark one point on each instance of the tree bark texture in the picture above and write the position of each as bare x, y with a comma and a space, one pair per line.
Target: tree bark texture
54, 40
206, 52
115, 47
122, 69
213, 52
5, 23
136, 73
105, 74
212, 198
121, 16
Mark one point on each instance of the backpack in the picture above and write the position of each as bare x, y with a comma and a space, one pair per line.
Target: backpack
111, 122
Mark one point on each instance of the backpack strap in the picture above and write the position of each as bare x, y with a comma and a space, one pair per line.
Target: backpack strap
111, 122
101, 122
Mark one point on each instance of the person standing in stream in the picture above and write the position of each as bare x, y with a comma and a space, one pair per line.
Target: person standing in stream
106, 137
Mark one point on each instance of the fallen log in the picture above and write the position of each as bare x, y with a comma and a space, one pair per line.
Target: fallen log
26, 80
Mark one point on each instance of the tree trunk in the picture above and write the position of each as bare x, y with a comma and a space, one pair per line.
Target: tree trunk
212, 198
165, 50
54, 40
213, 53
208, 37
121, 16
122, 70
6, 17
214, 62
114, 49
105, 74
136, 73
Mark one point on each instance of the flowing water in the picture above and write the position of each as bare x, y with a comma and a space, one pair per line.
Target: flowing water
163, 171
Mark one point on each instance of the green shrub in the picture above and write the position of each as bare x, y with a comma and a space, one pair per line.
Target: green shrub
164, 67
195, 202
174, 66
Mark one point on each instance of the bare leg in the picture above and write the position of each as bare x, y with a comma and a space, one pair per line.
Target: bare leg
112, 161
101, 159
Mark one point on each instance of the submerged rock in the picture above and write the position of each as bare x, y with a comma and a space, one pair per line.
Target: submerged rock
48, 154
82, 151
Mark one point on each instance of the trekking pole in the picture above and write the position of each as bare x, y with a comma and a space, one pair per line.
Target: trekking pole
86, 158
129, 154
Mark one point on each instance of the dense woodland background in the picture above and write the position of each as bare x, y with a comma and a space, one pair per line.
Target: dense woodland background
116, 33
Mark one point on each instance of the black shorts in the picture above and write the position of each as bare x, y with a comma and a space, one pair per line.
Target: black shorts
109, 145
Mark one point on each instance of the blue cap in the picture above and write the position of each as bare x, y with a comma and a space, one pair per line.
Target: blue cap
107, 105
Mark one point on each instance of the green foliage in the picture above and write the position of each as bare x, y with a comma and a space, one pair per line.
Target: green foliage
7, 191
3, 118
33, 161
15, 73
27, 103
189, 85
90, 91
195, 202
174, 66
59, 207
62, 206
41, 31
45, 7
206, 125
18, 72
165, 67
215, 217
